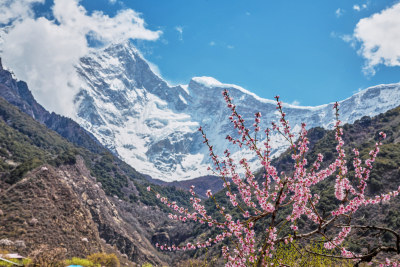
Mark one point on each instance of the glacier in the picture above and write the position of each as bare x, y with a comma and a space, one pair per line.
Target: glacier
153, 125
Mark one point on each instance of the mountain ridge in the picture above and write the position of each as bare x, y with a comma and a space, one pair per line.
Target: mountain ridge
18, 94
109, 195
153, 126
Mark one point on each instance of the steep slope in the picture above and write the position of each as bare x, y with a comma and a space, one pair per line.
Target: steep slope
18, 94
55, 193
44, 209
102, 162
201, 184
65, 207
153, 126
133, 112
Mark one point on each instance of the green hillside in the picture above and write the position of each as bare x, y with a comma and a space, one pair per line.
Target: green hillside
26, 144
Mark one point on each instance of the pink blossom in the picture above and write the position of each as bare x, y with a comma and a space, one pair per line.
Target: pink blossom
254, 198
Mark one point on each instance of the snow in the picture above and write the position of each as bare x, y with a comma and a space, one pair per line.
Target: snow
212, 83
208, 81
185, 88
145, 128
183, 99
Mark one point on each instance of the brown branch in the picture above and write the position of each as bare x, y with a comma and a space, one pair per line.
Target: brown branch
374, 252
362, 258
316, 231
273, 217
397, 235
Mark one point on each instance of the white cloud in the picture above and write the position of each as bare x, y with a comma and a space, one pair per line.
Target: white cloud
339, 12
179, 29
43, 52
126, 24
295, 103
212, 43
379, 36
230, 46
154, 68
112, 1
359, 8
248, 13
348, 38
11, 10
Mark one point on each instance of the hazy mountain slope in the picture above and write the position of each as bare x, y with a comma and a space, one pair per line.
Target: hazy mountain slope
17, 93
153, 125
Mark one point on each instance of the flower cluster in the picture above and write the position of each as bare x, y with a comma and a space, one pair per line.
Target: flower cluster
261, 198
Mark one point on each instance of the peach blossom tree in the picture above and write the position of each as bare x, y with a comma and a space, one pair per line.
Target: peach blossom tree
258, 199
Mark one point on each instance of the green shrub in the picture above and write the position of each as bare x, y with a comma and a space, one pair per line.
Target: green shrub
79, 261
22, 169
103, 259
295, 254
24, 262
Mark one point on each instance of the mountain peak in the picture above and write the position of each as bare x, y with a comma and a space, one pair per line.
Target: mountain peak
208, 81
125, 45
153, 126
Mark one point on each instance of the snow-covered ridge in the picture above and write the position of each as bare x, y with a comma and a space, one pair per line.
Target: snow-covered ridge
153, 125
213, 83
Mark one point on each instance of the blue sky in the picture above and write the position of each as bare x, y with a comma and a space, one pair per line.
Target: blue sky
308, 52
290, 48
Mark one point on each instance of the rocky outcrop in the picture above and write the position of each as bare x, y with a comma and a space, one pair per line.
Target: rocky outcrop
65, 207
44, 209
104, 210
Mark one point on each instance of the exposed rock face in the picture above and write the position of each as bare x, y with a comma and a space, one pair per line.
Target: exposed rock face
161, 238
65, 207
113, 228
45, 209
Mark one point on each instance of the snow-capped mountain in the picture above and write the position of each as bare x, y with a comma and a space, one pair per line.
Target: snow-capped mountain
153, 125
